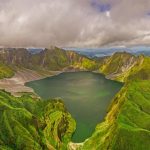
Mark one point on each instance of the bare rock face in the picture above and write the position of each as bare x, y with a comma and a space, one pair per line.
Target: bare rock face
53, 59
119, 65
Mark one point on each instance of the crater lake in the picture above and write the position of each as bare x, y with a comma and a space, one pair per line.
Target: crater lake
86, 95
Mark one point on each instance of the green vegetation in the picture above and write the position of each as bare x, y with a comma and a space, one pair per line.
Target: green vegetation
118, 65
30, 123
50, 59
115, 63
53, 59
58, 59
141, 70
127, 124
5, 71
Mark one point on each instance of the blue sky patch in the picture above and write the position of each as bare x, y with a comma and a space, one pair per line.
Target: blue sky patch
101, 7
148, 13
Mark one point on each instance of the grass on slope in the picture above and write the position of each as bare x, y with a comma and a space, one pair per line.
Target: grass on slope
115, 63
57, 59
141, 71
27, 123
5, 71
127, 125
54, 59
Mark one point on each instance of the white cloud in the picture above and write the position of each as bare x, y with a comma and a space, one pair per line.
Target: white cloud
73, 23
108, 14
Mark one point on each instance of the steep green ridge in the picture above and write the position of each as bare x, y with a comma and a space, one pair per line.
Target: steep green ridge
53, 59
118, 65
123, 66
141, 70
30, 123
127, 124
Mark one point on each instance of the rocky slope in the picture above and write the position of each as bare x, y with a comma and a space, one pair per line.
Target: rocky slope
15, 85
25, 66
119, 65
123, 66
53, 59
127, 124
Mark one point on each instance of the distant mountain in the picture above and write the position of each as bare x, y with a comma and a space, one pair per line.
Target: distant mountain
35, 50
102, 52
146, 53
48, 59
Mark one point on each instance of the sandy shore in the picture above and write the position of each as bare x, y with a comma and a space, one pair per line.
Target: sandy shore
15, 85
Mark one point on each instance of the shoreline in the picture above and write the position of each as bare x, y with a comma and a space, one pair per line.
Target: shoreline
16, 84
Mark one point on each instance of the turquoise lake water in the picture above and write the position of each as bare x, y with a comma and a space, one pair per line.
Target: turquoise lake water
86, 95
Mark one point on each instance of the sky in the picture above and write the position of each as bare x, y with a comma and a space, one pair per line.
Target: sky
74, 23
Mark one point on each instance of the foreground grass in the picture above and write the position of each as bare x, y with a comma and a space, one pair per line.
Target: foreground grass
27, 123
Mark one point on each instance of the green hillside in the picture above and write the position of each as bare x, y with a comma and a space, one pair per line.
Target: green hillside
5, 71
125, 66
27, 123
58, 59
141, 70
52, 59
115, 63
127, 124
30, 123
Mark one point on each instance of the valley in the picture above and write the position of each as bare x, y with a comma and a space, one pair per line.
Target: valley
86, 96
19, 65
75, 75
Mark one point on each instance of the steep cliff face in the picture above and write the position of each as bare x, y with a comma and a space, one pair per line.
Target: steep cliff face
141, 71
48, 59
15, 56
30, 123
118, 65
125, 67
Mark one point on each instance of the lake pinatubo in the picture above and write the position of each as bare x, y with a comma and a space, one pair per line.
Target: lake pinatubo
86, 95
